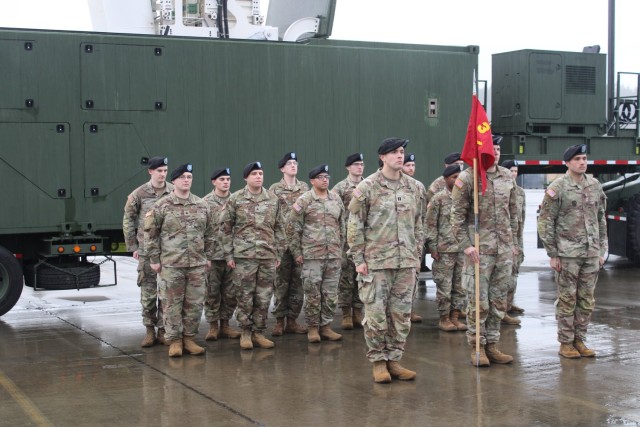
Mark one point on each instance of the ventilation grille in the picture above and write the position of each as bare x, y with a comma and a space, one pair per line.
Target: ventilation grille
580, 80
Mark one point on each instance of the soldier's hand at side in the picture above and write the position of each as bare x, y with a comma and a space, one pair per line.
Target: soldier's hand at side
515, 251
601, 262
136, 255
231, 264
362, 269
300, 260
435, 255
555, 264
277, 263
208, 265
472, 254
156, 267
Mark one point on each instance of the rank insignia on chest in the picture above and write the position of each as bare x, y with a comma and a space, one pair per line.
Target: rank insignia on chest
399, 198
459, 183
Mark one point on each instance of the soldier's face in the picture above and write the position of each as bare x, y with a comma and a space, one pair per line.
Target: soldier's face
255, 179
222, 183
394, 159
450, 180
409, 168
290, 168
158, 176
514, 172
496, 153
578, 164
356, 168
184, 181
321, 182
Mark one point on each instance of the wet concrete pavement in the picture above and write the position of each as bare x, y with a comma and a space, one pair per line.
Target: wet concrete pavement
74, 358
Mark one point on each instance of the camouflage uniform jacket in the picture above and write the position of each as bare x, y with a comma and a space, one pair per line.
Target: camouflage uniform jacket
216, 204
287, 195
572, 220
252, 225
344, 189
438, 232
521, 202
180, 232
436, 186
139, 202
385, 223
316, 227
498, 212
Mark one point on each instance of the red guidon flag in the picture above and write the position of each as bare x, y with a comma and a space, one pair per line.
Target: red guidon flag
479, 143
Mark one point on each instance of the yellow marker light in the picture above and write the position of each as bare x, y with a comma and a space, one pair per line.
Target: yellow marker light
76, 249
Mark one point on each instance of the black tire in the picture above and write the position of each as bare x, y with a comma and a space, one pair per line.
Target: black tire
10, 280
633, 229
62, 275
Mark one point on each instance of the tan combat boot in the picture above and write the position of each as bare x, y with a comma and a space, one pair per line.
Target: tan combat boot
568, 351
445, 324
160, 337
397, 371
358, 317
584, 351
508, 320
496, 356
260, 340
415, 318
227, 331
212, 335
175, 348
460, 326
515, 309
482, 359
294, 327
328, 334
278, 329
347, 319
245, 339
150, 338
313, 336
191, 347
380, 372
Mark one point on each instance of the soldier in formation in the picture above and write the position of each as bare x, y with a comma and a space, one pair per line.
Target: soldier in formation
438, 184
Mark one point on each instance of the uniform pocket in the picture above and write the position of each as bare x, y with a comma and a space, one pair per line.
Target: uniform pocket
366, 290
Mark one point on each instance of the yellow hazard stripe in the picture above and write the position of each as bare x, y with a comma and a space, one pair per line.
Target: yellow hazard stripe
23, 401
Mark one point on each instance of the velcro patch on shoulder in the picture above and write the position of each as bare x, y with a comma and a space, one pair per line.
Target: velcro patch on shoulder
296, 207
551, 193
459, 183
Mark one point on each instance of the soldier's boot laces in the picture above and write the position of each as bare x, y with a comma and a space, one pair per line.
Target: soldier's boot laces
160, 337
380, 372
175, 348
347, 318
261, 341
584, 351
400, 372
481, 359
313, 336
495, 355
328, 334
278, 329
212, 335
358, 317
415, 318
150, 338
294, 327
445, 324
455, 316
508, 320
245, 339
228, 331
191, 347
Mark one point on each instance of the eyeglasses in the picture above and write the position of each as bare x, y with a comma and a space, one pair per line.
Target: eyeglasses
357, 164
291, 163
323, 177
185, 177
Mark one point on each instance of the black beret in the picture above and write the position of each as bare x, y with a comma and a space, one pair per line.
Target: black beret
251, 167
220, 172
289, 156
177, 172
390, 144
573, 151
356, 157
318, 170
451, 169
497, 139
510, 164
156, 162
409, 157
451, 158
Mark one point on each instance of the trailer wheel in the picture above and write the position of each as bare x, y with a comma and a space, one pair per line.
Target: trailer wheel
10, 280
63, 275
633, 229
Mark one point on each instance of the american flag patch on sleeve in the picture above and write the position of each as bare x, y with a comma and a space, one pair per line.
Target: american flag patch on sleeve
459, 183
296, 207
551, 193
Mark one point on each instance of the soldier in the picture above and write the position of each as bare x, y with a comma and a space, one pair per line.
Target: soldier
448, 258
438, 184
385, 241
252, 226
316, 233
180, 237
348, 299
497, 225
512, 165
573, 229
220, 299
289, 294
139, 202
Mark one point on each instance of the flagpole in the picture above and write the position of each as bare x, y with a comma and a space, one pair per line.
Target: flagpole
476, 242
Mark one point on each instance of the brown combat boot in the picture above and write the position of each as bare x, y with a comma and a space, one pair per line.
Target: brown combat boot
228, 331
584, 351
496, 356
160, 337
515, 309
260, 340
313, 336
508, 320
460, 326
482, 360
278, 330
212, 335
326, 333
347, 318
568, 351
245, 339
445, 324
415, 318
190, 346
463, 314
397, 371
149, 339
380, 372
294, 327
175, 348
358, 317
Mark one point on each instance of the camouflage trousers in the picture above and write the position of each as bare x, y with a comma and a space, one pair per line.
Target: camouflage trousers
517, 262
254, 279
495, 277
387, 296
320, 282
220, 298
576, 286
149, 299
288, 292
348, 286
447, 273
182, 292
